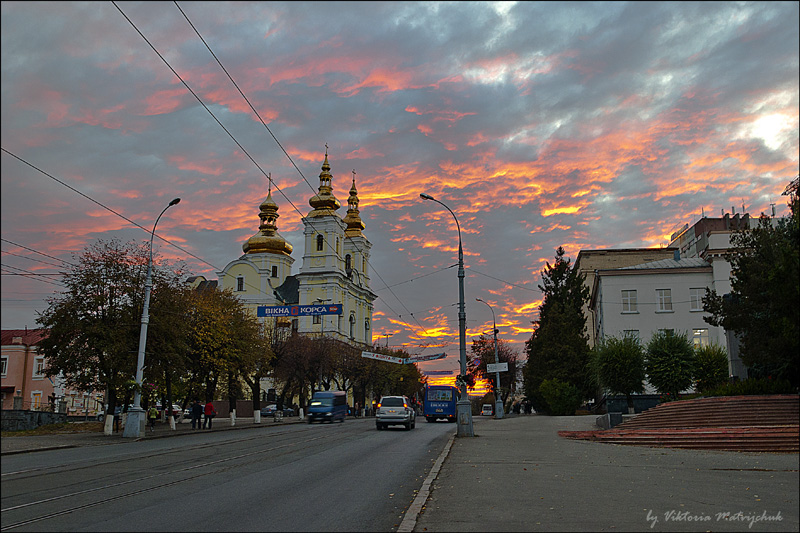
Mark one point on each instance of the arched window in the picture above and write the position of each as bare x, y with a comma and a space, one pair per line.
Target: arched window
366, 330
352, 325
320, 242
274, 271
348, 262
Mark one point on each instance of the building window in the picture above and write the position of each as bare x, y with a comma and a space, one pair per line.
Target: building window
696, 299
337, 245
633, 333
320, 242
4, 366
317, 319
274, 271
663, 300
366, 329
700, 337
239, 284
38, 367
352, 325
348, 262
629, 303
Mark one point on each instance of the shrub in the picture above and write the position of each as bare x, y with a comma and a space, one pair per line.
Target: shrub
753, 387
670, 362
562, 398
711, 367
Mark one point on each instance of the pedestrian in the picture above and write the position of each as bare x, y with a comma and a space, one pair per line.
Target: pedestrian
197, 413
152, 414
357, 411
210, 413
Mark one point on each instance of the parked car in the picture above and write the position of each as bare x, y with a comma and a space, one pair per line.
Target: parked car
271, 409
395, 410
486, 410
176, 410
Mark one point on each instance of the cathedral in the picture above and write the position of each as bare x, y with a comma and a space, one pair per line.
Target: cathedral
334, 270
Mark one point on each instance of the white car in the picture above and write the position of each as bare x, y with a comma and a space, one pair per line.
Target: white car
486, 410
395, 410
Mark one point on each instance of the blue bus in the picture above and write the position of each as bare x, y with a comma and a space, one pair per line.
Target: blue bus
440, 402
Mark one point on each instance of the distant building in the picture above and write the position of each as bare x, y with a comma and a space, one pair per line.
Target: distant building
23, 377
335, 268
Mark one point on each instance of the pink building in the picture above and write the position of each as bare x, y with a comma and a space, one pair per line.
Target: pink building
23, 376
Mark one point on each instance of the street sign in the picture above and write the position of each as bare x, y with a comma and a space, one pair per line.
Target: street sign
438, 372
298, 310
383, 357
497, 367
431, 357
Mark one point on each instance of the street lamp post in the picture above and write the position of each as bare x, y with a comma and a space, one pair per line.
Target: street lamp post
322, 317
463, 408
134, 427
498, 402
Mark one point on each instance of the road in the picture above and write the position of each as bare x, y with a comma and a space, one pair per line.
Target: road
333, 477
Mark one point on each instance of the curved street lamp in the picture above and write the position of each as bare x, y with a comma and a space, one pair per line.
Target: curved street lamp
134, 427
498, 403
463, 408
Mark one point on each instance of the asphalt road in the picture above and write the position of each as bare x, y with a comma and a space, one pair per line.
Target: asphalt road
333, 477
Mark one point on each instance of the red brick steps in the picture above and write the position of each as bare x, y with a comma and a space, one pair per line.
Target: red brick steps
735, 423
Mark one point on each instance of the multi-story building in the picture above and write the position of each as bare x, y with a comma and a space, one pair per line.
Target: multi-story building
590, 261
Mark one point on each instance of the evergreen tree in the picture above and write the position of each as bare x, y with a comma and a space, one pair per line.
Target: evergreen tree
762, 306
558, 348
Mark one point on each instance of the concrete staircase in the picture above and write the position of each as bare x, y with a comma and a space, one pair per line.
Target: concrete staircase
737, 423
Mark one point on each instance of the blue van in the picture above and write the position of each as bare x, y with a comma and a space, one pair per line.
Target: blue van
327, 406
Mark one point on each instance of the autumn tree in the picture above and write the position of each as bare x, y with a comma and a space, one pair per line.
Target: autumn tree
93, 325
559, 346
482, 353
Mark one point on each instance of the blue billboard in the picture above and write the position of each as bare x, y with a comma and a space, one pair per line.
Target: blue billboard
298, 310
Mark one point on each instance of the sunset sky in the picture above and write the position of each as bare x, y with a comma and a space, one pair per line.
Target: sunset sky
588, 125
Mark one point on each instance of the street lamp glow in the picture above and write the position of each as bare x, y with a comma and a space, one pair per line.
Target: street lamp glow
463, 408
498, 403
134, 427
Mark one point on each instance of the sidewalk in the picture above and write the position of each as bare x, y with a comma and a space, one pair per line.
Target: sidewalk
517, 474
25, 444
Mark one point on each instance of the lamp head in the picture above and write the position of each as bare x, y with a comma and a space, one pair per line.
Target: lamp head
426, 196
175, 201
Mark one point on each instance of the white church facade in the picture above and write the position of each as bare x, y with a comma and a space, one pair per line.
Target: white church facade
334, 267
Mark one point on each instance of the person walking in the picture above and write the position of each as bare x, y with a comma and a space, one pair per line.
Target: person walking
152, 414
197, 413
210, 413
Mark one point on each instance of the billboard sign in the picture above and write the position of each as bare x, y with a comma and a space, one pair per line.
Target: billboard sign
383, 357
298, 310
431, 357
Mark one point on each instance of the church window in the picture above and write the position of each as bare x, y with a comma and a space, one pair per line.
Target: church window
320, 241
348, 262
240, 284
352, 325
274, 271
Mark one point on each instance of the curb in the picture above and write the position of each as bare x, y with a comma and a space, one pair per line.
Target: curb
410, 518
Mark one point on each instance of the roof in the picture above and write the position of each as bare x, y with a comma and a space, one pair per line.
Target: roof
29, 337
691, 262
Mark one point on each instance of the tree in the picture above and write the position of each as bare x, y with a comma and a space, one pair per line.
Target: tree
761, 308
93, 326
711, 367
482, 353
670, 362
559, 346
618, 365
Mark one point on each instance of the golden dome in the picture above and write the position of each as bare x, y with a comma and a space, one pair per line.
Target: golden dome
324, 202
267, 240
353, 218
